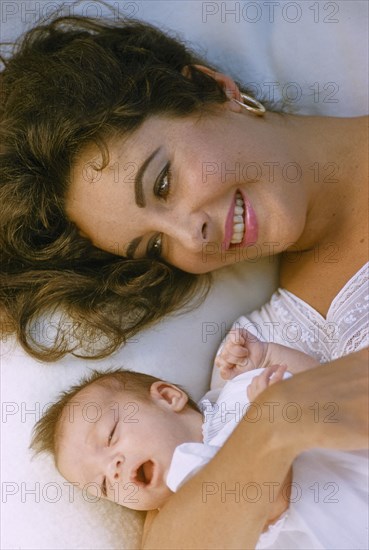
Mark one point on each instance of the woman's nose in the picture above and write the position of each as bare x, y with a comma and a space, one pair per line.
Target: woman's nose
192, 231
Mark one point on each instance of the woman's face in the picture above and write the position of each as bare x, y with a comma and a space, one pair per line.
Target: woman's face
201, 192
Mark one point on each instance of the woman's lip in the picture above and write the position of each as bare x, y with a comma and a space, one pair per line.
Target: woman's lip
250, 222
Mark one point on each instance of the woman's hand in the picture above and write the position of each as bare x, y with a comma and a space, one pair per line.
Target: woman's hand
261, 382
212, 510
333, 400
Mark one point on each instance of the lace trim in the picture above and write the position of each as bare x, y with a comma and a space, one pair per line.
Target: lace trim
357, 342
343, 331
300, 328
356, 283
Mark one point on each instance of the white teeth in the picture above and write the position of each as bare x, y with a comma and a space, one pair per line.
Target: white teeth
236, 238
238, 225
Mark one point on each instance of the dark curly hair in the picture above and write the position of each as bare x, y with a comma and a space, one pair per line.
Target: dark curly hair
70, 82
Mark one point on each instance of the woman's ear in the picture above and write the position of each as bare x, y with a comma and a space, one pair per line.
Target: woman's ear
227, 83
168, 396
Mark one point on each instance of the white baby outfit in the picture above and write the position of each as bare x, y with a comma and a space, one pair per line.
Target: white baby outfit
329, 495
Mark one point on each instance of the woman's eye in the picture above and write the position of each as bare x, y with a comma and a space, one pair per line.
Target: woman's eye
154, 247
162, 184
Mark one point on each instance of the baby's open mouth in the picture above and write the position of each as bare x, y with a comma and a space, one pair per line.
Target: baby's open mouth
144, 473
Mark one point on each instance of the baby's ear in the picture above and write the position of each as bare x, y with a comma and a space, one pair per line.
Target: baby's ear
168, 396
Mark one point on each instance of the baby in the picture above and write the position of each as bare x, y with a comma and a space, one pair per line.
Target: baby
135, 439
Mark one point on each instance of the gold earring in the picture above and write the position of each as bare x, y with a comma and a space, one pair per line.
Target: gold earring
251, 104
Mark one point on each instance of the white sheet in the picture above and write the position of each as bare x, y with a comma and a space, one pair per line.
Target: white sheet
327, 62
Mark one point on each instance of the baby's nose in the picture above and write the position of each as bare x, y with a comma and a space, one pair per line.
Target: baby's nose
116, 467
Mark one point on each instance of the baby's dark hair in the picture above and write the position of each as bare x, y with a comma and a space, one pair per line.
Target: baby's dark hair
45, 431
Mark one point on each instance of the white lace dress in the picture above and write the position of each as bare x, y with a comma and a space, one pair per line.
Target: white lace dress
331, 510
289, 321
329, 493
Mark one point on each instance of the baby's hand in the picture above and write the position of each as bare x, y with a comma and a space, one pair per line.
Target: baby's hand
241, 352
269, 376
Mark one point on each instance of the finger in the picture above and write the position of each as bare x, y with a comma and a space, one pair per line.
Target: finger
226, 357
248, 336
278, 374
267, 373
258, 384
226, 370
227, 373
236, 336
235, 350
252, 391
221, 363
233, 360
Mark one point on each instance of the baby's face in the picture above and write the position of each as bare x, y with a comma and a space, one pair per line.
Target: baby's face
119, 446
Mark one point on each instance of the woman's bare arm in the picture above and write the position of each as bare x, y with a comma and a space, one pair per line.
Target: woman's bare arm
225, 505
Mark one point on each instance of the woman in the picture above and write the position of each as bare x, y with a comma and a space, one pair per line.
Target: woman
126, 124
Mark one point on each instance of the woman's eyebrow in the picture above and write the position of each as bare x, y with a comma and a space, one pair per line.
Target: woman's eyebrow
139, 194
